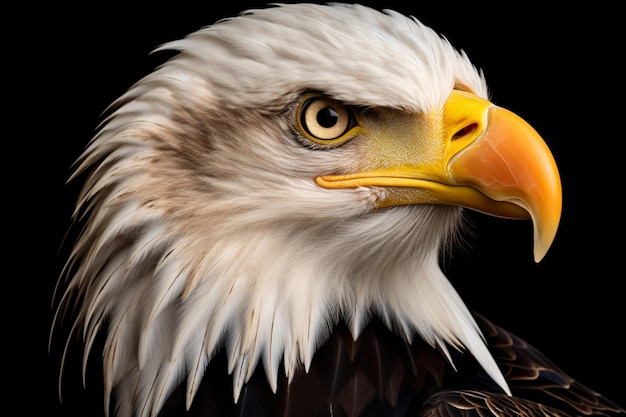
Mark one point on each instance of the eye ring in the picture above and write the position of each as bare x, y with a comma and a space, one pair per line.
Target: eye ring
325, 121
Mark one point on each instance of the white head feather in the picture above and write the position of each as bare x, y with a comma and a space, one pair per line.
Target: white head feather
205, 227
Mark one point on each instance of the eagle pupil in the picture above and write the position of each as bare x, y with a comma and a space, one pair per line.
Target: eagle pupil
327, 117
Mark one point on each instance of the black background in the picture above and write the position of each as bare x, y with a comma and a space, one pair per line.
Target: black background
553, 67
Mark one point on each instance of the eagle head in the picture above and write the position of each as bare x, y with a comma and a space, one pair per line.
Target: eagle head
287, 169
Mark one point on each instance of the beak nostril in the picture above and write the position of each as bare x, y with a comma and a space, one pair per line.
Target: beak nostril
467, 130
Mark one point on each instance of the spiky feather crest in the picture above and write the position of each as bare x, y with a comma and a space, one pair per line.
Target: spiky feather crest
204, 228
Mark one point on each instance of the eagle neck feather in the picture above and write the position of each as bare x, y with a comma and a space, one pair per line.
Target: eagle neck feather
271, 299
268, 294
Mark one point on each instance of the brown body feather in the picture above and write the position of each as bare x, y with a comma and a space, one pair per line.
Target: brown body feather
381, 375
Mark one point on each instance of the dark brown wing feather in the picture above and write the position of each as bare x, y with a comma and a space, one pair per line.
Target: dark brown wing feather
476, 403
538, 386
537, 380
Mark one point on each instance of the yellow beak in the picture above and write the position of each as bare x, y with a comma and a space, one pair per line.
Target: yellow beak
473, 154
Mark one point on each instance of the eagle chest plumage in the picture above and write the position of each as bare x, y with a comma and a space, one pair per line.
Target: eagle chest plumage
263, 218
378, 374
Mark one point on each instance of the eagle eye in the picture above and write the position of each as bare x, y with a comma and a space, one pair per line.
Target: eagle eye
325, 121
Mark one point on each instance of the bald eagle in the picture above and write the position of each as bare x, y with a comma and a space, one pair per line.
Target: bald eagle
263, 218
